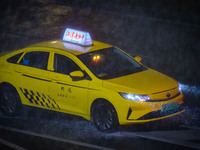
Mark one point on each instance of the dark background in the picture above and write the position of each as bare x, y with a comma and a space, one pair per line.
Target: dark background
164, 33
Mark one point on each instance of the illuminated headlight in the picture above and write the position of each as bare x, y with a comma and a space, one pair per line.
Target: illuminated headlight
179, 87
134, 97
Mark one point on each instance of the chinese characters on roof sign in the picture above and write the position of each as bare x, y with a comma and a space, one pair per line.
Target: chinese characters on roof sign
77, 37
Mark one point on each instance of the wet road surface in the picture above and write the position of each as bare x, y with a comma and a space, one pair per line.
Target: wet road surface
39, 129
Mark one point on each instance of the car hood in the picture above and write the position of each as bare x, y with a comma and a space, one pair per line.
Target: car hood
145, 82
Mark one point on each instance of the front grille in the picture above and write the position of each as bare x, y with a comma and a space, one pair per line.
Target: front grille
164, 99
164, 95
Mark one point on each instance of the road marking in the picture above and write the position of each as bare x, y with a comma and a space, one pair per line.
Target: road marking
162, 137
9, 144
55, 138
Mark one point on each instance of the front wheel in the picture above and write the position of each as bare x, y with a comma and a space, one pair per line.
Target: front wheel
10, 102
105, 117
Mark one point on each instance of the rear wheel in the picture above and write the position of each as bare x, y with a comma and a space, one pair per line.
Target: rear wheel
105, 117
10, 102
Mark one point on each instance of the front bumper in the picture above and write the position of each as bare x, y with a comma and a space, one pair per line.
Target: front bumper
160, 113
141, 112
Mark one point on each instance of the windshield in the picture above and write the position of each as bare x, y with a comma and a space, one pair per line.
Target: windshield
110, 63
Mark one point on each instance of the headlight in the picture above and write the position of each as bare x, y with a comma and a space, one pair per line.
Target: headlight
179, 87
134, 97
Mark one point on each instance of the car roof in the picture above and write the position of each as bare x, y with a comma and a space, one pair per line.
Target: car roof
72, 48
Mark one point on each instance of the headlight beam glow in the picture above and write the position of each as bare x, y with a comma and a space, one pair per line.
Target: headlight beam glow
134, 97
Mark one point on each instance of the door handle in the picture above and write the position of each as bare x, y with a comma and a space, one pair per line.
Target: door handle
55, 79
18, 71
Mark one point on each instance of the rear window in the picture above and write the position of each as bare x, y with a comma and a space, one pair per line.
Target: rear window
35, 59
14, 58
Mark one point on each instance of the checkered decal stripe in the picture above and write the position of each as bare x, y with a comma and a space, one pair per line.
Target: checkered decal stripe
40, 99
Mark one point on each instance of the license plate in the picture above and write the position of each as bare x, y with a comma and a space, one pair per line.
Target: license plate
170, 106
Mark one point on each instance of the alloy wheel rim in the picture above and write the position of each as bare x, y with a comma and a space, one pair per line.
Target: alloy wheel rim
8, 102
104, 118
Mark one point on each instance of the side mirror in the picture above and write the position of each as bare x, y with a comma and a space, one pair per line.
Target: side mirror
138, 58
77, 74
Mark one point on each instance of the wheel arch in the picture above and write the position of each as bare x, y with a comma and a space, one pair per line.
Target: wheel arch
18, 105
8, 84
99, 100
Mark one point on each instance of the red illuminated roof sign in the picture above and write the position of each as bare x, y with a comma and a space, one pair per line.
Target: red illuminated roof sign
77, 37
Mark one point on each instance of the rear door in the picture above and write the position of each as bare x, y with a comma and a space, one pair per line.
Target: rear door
34, 79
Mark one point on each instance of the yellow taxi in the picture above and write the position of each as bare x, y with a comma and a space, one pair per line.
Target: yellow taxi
94, 80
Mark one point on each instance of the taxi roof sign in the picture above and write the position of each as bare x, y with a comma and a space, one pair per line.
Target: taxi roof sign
76, 47
77, 37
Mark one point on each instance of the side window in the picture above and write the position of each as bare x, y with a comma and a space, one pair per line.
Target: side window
35, 59
64, 65
14, 58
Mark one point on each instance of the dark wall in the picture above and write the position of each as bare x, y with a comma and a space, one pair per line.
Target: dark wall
164, 33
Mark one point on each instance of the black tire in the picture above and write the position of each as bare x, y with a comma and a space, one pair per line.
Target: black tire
10, 103
105, 117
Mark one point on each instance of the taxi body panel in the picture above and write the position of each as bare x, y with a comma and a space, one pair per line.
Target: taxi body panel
48, 89
144, 82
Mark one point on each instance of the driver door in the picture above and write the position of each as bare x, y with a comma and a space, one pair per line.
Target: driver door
70, 96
